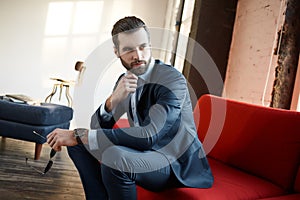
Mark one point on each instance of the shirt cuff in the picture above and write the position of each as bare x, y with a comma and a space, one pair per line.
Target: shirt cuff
92, 138
105, 115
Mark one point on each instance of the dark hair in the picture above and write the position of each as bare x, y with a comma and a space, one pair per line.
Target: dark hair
127, 24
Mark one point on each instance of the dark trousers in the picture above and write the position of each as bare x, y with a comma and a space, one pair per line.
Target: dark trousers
120, 170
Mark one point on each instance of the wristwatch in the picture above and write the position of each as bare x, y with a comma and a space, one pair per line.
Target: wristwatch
78, 133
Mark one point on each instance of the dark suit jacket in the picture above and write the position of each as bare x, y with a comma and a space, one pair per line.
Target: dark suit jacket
166, 125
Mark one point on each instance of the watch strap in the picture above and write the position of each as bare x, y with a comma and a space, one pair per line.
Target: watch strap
78, 135
78, 140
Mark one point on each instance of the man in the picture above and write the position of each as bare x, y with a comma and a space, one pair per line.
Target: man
161, 148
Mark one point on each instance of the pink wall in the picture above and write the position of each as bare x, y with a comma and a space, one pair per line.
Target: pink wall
295, 105
251, 64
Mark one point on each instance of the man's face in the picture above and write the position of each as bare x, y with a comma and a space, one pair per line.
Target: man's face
134, 51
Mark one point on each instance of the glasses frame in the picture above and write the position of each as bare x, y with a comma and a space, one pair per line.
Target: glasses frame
50, 161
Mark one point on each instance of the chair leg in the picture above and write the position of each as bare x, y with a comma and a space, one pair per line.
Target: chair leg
38, 149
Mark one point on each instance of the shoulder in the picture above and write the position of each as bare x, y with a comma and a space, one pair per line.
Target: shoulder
164, 73
161, 67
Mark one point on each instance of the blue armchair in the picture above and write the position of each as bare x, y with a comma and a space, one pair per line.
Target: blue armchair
19, 120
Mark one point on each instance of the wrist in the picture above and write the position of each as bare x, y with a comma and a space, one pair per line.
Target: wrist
108, 104
80, 135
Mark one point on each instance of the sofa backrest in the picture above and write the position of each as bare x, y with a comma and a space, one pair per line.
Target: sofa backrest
260, 140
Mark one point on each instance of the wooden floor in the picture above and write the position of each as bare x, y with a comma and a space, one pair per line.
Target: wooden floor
18, 181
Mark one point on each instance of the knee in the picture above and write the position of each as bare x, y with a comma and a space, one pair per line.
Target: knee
111, 176
116, 158
75, 151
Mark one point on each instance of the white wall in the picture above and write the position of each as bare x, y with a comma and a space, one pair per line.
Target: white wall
35, 47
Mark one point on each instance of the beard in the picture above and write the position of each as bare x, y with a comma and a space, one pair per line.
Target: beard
144, 65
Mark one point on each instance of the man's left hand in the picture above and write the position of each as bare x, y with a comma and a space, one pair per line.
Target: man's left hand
61, 137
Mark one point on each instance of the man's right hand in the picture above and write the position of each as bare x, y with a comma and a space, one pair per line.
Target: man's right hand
126, 85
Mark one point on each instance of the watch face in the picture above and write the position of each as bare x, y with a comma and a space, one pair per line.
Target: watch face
80, 132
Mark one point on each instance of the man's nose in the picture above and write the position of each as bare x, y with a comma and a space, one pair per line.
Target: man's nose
137, 54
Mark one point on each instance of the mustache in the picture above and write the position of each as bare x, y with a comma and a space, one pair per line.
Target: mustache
138, 62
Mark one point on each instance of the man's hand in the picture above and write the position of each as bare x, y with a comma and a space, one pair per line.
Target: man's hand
60, 137
126, 85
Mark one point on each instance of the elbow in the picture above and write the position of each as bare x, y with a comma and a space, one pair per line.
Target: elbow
146, 144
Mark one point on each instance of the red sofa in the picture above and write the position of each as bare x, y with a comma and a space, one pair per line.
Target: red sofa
253, 151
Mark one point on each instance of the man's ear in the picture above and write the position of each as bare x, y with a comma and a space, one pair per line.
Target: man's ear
116, 52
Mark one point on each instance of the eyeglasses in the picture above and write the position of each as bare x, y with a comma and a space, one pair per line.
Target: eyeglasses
50, 162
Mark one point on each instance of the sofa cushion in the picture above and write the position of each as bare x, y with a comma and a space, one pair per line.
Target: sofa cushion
122, 123
45, 114
229, 184
260, 140
24, 131
285, 197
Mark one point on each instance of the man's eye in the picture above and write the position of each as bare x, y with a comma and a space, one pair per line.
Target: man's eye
144, 46
127, 49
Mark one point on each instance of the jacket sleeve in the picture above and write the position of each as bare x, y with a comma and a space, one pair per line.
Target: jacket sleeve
162, 122
98, 121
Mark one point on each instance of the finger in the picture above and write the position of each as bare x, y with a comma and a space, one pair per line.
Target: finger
54, 132
132, 81
131, 88
128, 80
51, 142
130, 75
55, 145
131, 85
50, 138
49, 135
